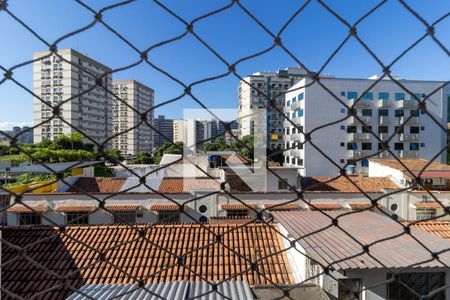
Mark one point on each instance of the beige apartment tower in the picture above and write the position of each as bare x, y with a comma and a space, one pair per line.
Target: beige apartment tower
71, 79
135, 98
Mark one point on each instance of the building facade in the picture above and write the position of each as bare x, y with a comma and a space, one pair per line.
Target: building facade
165, 127
251, 99
56, 80
388, 110
134, 135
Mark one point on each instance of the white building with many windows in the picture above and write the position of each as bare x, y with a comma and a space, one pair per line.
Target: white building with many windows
253, 90
386, 108
131, 133
56, 80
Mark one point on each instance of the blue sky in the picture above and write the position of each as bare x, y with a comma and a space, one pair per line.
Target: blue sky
311, 37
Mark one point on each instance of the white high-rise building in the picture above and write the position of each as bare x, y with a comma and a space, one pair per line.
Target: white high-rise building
274, 85
56, 80
383, 108
134, 136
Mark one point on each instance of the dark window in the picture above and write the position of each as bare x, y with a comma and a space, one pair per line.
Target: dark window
414, 146
203, 219
414, 130
352, 146
399, 96
352, 95
364, 163
366, 146
383, 112
237, 213
366, 129
351, 129
421, 283
367, 112
202, 209
380, 146
415, 113
383, 129
398, 146
282, 184
399, 129
29, 219
126, 217
342, 144
77, 218
349, 288
399, 113
168, 216
342, 161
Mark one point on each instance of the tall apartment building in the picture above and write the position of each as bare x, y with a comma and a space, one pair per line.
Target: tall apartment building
25, 135
178, 130
56, 80
134, 96
274, 85
383, 108
165, 127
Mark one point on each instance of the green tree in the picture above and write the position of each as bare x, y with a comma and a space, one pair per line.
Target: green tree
167, 148
143, 158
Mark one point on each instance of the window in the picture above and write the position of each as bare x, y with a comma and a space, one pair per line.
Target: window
383, 112
421, 283
414, 146
367, 112
383, 96
342, 110
168, 216
288, 103
399, 129
29, 219
399, 96
237, 213
352, 95
282, 184
414, 130
203, 209
347, 288
399, 113
368, 96
77, 218
398, 146
342, 144
383, 129
366, 146
342, 127
294, 99
343, 94
351, 129
365, 163
366, 129
125, 217
300, 96
352, 146
415, 113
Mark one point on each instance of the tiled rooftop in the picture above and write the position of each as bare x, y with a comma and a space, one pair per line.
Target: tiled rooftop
325, 205
164, 207
188, 185
127, 257
361, 205
427, 205
237, 206
343, 185
98, 185
414, 164
439, 228
335, 246
75, 208
19, 208
281, 206
122, 207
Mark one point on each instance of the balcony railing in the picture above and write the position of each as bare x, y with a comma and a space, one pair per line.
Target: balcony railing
384, 154
359, 136
296, 105
408, 121
356, 154
355, 121
408, 154
384, 136
408, 104
383, 120
384, 103
295, 152
360, 104
297, 120
413, 137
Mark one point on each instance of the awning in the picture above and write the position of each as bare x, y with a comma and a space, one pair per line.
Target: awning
164, 207
280, 206
362, 205
325, 205
123, 207
427, 205
20, 208
75, 208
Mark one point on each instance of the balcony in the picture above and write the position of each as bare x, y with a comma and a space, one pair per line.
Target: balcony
384, 136
360, 104
296, 105
412, 121
359, 137
414, 137
383, 120
357, 154
295, 152
355, 121
408, 154
408, 104
384, 154
297, 120
384, 103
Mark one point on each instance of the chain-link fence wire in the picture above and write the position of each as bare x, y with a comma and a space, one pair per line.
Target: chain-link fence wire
102, 81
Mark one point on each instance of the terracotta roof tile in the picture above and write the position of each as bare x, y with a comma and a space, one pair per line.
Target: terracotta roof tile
75, 208
282, 206
412, 164
325, 205
427, 205
165, 207
123, 207
98, 185
188, 185
231, 220
361, 205
19, 208
237, 206
128, 257
344, 185
439, 228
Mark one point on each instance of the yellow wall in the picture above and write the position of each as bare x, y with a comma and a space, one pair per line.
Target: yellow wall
40, 187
